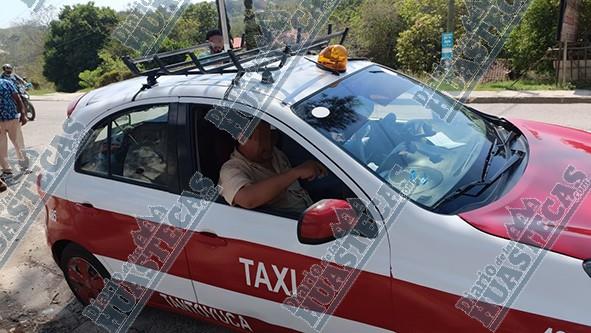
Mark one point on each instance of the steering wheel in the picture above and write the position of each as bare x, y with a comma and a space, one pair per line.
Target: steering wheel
394, 158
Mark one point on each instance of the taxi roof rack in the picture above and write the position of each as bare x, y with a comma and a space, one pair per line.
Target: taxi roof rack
231, 61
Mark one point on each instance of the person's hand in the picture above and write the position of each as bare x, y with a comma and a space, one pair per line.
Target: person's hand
310, 170
23, 119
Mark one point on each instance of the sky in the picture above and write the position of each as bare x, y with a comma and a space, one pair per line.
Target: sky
18, 9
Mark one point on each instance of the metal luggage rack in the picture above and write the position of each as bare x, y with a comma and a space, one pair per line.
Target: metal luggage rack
231, 61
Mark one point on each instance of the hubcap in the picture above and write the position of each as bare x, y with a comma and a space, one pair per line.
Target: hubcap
85, 279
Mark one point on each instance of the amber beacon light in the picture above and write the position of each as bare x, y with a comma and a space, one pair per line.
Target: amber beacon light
334, 57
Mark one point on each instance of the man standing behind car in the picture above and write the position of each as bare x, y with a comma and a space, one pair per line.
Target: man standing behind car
12, 115
216, 42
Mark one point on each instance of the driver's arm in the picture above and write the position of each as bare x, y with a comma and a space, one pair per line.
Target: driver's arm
239, 191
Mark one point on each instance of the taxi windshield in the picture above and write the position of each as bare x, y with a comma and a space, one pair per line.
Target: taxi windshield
377, 116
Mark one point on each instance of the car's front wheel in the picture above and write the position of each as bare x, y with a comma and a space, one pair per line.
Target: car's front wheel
83, 272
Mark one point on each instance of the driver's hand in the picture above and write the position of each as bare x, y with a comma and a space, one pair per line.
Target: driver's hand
310, 170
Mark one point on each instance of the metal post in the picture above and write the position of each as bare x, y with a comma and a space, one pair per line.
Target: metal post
558, 64
564, 59
224, 24
585, 62
451, 13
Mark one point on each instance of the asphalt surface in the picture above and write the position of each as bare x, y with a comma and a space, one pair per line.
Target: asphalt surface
34, 296
570, 115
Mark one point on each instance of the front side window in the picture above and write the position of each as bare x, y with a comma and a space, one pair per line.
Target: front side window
216, 147
375, 117
131, 146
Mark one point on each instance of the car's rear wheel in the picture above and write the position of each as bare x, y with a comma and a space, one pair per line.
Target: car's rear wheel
83, 272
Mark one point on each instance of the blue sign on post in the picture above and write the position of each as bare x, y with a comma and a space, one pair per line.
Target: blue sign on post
447, 45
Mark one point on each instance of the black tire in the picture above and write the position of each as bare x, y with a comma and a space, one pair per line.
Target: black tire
31, 114
71, 257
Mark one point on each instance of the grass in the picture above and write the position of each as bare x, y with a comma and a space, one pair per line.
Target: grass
520, 85
41, 91
46, 91
516, 85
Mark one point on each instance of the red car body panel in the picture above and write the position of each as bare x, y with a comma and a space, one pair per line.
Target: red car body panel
402, 309
550, 194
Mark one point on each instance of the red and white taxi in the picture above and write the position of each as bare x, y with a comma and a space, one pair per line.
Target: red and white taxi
498, 212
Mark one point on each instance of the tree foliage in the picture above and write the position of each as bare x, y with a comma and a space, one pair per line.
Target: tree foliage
377, 30
193, 25
73, 42
404, 34
419, 47
190, 29
535, 34
585, 22
111, 69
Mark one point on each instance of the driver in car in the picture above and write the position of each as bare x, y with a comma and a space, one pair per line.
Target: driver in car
260, 175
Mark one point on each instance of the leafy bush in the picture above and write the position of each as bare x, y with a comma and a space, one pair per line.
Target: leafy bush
585, 22
419, 47
111, 70
537, 32
377, 31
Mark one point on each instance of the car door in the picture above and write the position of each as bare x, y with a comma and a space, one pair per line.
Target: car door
124, 178
250, 262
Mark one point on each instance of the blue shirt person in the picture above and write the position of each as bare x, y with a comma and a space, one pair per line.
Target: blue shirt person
8, 101
12, 115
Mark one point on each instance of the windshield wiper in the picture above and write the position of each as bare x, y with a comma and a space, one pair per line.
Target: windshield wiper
485, 183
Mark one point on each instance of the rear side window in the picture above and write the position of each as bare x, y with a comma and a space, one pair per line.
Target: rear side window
94, 157
132, 146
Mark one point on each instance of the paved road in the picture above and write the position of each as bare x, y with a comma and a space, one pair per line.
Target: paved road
571, 115
34, 297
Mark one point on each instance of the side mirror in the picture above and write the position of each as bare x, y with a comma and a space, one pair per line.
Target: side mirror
326, 221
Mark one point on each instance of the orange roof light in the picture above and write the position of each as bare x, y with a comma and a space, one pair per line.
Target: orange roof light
334, 57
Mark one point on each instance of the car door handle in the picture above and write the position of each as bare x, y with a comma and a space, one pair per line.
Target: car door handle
211, 239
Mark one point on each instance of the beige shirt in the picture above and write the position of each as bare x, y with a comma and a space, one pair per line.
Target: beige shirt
239, 172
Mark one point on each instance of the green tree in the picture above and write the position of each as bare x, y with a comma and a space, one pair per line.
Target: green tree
585, 22
347, 15
377, 31
419, 47
412, 10
193, 25
73, 43
537, 31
